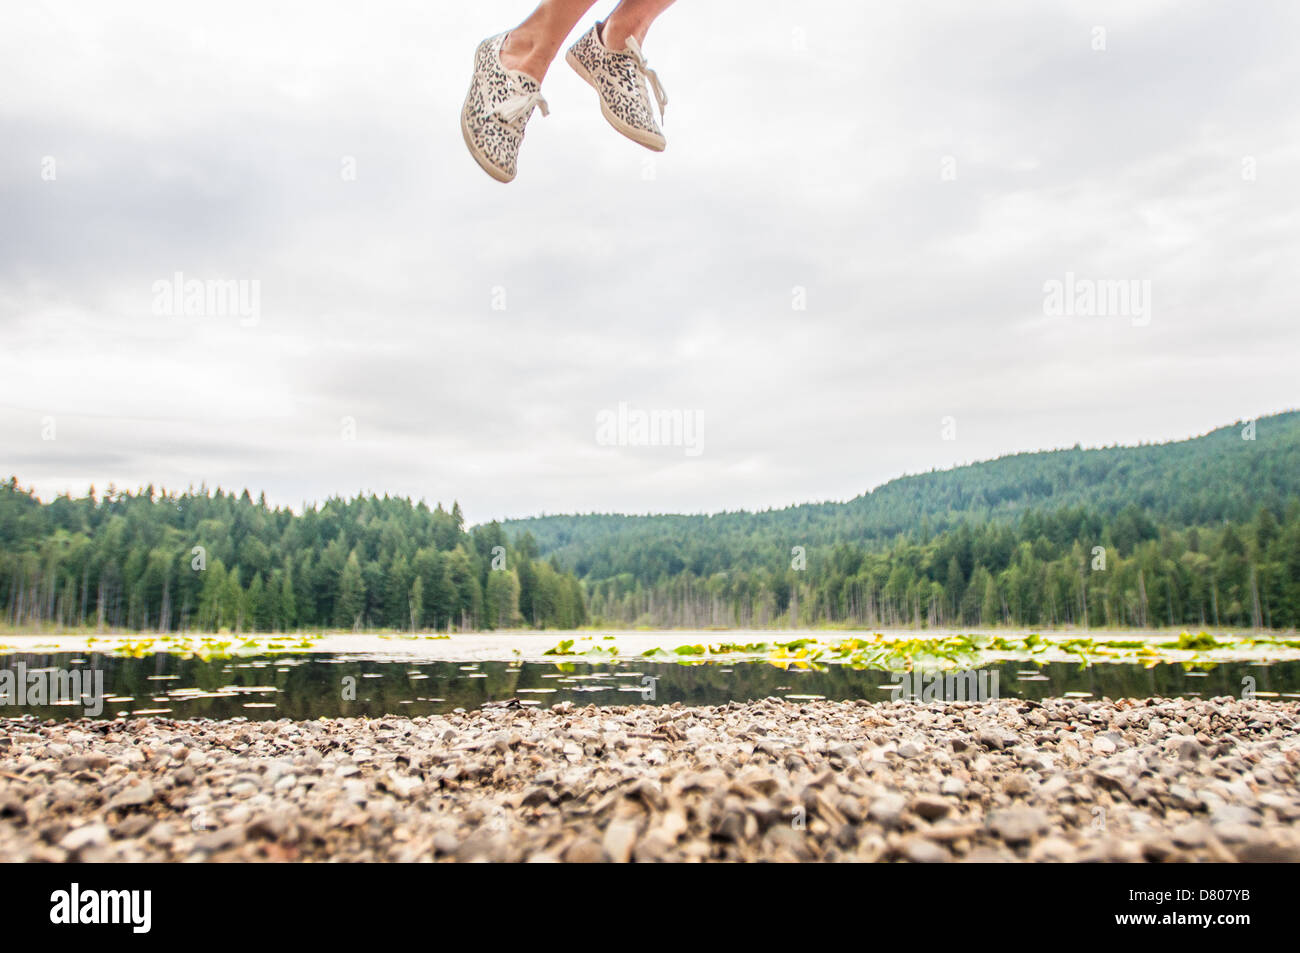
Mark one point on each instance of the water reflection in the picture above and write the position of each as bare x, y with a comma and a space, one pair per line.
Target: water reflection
316, 685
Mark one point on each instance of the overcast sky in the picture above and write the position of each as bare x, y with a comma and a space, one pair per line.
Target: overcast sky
912, 173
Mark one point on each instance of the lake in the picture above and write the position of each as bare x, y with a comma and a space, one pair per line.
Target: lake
330, 684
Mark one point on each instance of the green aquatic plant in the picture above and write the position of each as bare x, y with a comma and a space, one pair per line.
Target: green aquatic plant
732, 648
1195, 643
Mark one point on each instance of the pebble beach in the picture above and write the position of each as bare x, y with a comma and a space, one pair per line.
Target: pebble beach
1062, 780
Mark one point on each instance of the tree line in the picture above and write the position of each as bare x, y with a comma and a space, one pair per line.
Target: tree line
1196, 532
1072, 566
218, 561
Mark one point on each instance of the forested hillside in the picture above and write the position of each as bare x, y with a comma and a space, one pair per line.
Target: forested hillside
1196, 482
1200, 531
1070, 567
224, 561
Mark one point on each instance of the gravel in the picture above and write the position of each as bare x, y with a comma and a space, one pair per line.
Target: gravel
1055, 781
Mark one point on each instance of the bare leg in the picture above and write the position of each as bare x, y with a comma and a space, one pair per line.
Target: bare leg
631, 18
533, 44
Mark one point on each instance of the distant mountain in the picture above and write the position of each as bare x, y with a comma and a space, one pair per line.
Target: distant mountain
1227, 474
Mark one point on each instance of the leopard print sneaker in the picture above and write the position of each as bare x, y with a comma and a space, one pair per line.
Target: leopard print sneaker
620, 77
499, 104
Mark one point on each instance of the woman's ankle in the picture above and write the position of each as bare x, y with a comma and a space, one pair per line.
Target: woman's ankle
523, 50
615, 31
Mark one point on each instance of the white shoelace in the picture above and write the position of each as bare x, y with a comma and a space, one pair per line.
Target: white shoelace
634, 48
522, 105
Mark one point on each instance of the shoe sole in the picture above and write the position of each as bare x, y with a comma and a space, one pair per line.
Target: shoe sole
481, 159
639, 136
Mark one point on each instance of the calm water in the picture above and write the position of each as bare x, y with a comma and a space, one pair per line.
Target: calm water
315, 685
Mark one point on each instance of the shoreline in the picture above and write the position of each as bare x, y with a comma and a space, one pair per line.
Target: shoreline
620, 645
1007, 780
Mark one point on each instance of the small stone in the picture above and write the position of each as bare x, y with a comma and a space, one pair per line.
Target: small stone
270, 826
1052, 850
845, 752
654, 847
887, 809
584, 851
1157, 850
649, 791
1266, 852
220, 839
673, 824
133, 826
1017, 825
534, 796
846, 836
620, 839
1112, 780
930, 807
1188, 749
162, 833
1232, 833
1234, 814
1111, 850
730, 826
1016, 785
1053, 786
921, 851
484, 844
132, 797
446, 842
786, 843
1191, 834
403, 785
89, 835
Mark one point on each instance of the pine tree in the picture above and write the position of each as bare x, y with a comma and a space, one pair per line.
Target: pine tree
415, 603
350, 605
502, 599
288, 603
991, 609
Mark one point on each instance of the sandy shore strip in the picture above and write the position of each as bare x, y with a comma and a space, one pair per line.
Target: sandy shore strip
728, 646
1059, 780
